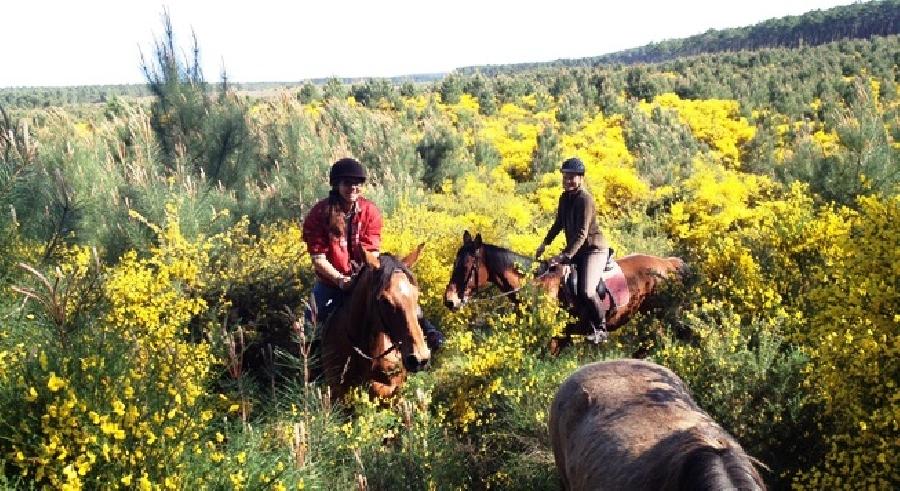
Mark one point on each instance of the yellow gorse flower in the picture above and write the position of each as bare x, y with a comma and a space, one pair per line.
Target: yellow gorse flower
55, 383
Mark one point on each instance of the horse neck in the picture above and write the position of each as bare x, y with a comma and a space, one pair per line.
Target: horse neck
501, 274
357, 312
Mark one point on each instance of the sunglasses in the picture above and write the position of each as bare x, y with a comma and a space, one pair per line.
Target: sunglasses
351, 183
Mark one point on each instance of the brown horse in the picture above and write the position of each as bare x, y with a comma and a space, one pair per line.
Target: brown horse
374, 338
632, 424
479, 264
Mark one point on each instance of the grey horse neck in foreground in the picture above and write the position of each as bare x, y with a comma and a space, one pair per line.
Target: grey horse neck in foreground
632, 424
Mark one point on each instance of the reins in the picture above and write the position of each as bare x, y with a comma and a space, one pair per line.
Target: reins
393, 347
473, 299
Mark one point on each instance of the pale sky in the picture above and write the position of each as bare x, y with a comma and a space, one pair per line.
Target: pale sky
89, 42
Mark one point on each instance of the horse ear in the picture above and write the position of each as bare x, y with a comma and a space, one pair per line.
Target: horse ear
467, 237
372, 259
413, 256
478, 240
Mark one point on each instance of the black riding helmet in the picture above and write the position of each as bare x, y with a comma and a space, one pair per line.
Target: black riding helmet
344, 168
573, 165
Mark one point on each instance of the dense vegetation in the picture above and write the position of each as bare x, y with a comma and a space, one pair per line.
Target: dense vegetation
152, 268
856, 21
71, 97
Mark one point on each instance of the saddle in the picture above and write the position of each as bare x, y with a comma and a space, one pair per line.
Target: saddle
612, 281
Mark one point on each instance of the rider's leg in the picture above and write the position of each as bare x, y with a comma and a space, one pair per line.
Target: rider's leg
433, 337
590, 270
327, 298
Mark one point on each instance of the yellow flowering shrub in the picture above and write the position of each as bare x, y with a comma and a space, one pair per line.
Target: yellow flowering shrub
827, 279
513, 132
853, 342
125, 394
487, 369
742, 374
748, 238
256, 276
610, 173
713, 121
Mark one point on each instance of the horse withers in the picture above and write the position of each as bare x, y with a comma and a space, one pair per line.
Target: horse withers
479, 264
374, 337
632, 424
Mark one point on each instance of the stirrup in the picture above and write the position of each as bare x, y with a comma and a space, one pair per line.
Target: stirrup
599, 335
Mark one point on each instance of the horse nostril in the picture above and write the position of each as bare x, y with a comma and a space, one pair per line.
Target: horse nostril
448, 304
412, 363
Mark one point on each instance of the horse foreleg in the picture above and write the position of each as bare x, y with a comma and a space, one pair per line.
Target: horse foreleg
558, 343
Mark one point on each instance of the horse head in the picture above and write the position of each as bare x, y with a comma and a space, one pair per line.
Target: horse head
394, 306
642, 430
468, 274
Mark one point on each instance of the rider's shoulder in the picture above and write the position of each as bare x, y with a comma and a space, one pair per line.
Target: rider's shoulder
320, 205
367, 206
583, 195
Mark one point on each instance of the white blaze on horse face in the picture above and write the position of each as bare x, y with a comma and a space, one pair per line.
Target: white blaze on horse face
405, 294
404, 287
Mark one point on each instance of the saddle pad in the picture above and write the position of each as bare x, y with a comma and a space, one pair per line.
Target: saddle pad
617, 286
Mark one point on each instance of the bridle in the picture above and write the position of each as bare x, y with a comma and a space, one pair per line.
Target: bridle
385, 327
471, 276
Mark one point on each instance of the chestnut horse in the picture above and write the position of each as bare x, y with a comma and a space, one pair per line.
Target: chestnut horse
479, 264
374, 337
632, 424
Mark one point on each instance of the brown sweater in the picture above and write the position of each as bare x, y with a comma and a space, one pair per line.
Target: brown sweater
575, 214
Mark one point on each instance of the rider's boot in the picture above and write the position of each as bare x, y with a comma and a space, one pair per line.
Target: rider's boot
433, 337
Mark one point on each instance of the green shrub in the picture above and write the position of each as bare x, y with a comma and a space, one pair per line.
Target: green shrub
746, 377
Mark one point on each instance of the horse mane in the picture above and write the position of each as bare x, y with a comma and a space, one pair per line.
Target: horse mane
729, 468
504, 258
388, 265
703, 458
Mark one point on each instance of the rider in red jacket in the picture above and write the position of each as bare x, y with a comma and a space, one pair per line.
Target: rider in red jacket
337, 230
336, 238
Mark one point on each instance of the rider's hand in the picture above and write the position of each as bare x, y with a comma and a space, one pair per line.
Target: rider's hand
540, 250
344, 282
557, 259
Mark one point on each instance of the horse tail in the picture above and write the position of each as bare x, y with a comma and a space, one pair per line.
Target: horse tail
678, 264
680, 267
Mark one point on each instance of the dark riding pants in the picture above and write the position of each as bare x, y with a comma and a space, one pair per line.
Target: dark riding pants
327, 299
590, 266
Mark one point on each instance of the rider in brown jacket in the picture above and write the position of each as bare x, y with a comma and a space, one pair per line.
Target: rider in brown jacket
586, 247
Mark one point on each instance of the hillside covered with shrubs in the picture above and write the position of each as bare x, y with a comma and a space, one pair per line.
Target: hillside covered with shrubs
153, 271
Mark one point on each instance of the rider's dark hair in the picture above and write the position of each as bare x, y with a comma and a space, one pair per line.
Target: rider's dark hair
336, 223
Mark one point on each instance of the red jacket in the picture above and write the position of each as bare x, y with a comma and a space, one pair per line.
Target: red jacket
365, 235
